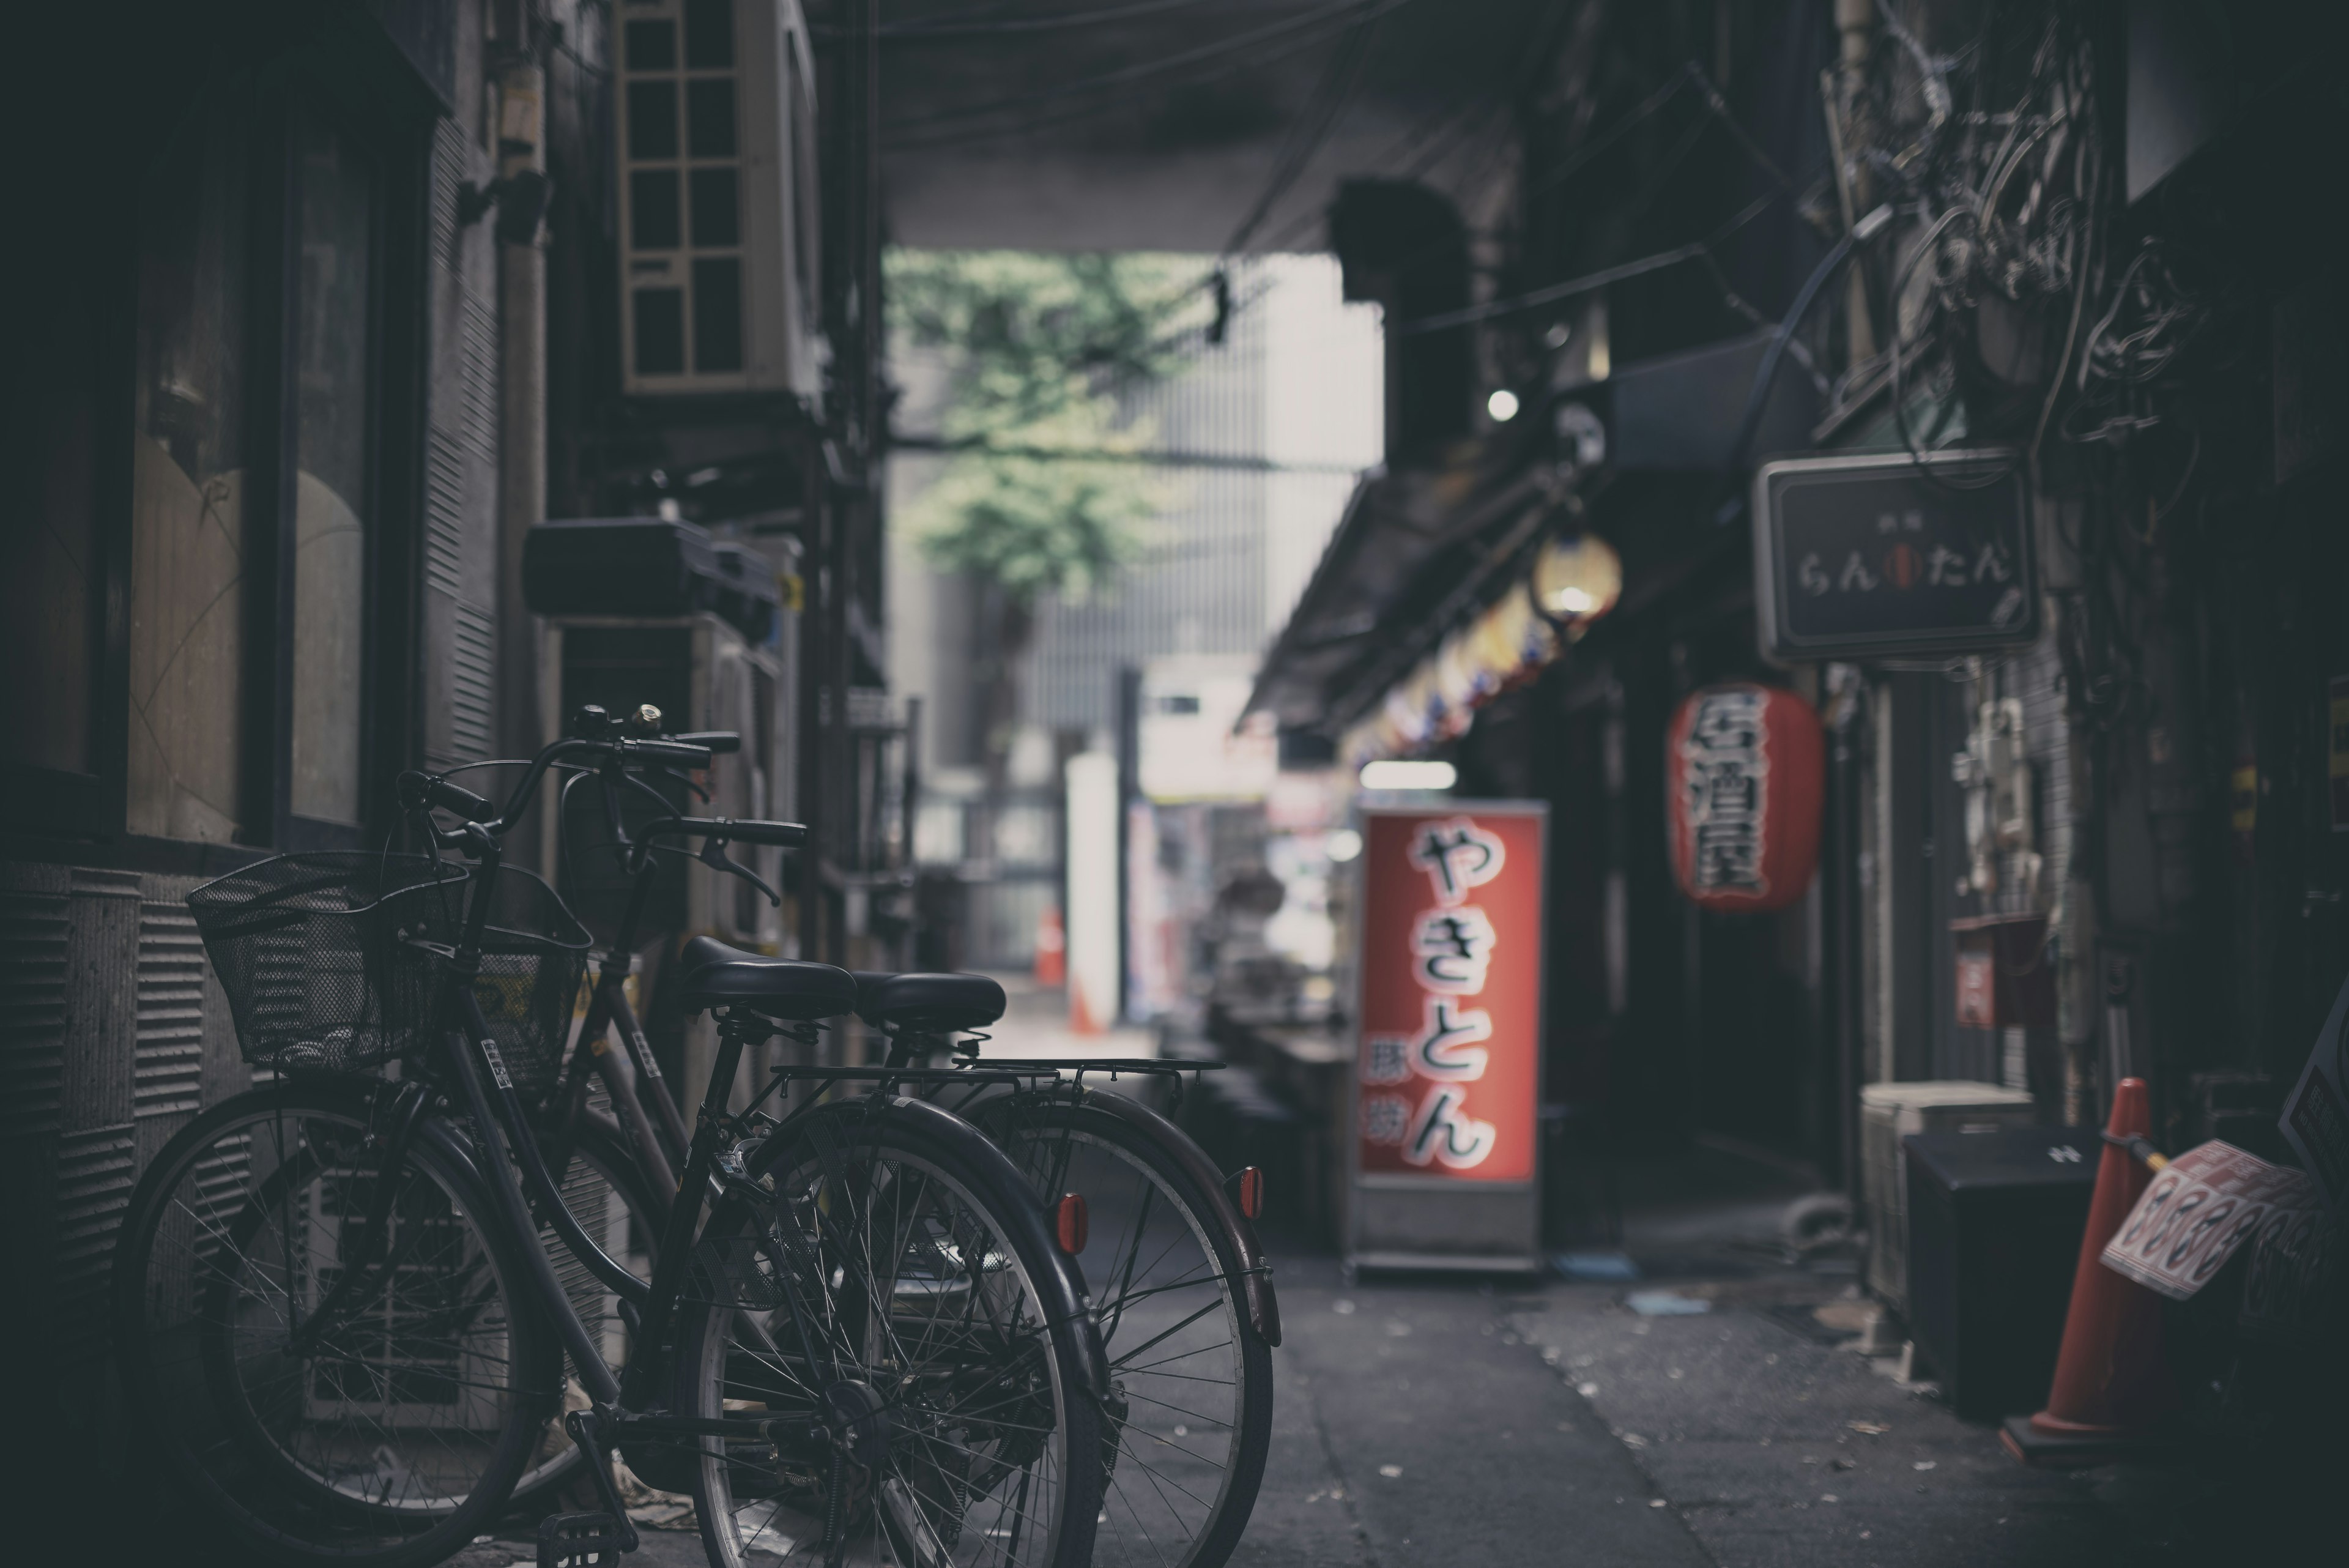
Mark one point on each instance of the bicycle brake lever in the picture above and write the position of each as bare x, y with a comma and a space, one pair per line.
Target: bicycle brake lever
714, 855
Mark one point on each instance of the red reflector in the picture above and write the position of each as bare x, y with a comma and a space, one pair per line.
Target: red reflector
1248, 1189
1070, 1222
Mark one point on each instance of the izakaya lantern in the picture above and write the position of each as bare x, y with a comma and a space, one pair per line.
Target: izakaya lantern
1743, 767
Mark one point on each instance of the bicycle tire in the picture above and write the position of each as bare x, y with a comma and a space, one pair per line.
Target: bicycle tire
207, 1185
1161, 1523
1016, 1384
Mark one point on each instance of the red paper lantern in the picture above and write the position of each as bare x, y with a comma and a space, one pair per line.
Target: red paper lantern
1745, 767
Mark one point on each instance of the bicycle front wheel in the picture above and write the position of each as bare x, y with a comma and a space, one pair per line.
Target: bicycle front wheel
383, 1427
905, 1276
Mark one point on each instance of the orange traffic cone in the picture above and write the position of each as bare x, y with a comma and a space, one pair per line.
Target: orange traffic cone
2112, 1385
1052, 949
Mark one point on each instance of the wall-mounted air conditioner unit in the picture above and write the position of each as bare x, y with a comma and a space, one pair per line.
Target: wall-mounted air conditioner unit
720, 283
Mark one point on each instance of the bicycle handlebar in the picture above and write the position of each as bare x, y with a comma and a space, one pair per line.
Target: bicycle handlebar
741, 830
419, 791
679, 752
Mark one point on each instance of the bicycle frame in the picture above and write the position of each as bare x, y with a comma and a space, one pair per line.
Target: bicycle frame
504, 1126
631, 1074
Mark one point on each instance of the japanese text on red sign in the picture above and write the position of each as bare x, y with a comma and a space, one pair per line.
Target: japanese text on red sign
1451, 953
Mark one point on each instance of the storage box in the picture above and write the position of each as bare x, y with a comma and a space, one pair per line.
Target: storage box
2005, 977
1994, 1226
617, 566
1891, 1112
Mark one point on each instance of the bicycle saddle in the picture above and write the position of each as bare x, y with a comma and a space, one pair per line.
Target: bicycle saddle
784, 989
928, 1003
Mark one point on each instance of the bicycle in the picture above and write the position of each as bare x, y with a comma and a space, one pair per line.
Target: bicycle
343, 1331
1181, 1278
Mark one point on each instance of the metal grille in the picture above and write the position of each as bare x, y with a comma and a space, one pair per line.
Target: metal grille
478, 365
94, 1178
447, 173
472, 682
444, 513
167, 1067
33, 997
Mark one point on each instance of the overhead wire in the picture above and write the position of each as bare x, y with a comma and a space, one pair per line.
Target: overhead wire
1589, 281
1333, 94
1223, 55
959, 28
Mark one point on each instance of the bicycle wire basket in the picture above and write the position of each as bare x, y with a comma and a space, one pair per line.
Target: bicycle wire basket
318, 953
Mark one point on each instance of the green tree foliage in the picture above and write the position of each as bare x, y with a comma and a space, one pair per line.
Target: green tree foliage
1037, 498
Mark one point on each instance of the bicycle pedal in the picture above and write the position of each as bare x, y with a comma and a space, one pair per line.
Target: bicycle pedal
580, 1541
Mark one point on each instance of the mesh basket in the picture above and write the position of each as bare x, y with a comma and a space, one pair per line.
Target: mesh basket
315, 954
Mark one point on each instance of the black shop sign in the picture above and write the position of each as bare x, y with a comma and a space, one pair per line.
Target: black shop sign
1856, 557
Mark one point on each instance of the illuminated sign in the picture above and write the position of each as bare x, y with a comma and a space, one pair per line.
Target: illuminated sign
1448, 1069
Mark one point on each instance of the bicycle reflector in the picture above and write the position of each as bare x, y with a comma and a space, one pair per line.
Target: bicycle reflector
1247, 1187
1070, 1222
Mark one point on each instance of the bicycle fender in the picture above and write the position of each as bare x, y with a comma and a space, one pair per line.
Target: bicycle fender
1256, 1274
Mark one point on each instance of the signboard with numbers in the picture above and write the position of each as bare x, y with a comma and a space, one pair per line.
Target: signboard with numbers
1446, 1107
1855, 557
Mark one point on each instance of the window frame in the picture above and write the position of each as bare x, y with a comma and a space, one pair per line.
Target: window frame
64, 814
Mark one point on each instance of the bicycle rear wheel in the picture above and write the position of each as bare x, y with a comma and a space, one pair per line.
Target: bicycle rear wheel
1189, 1413
909, 1276
396, 1430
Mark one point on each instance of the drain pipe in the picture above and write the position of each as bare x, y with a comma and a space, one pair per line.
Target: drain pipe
1856, 22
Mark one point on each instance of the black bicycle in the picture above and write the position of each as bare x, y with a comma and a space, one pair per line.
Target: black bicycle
1183, 1293
338, 1317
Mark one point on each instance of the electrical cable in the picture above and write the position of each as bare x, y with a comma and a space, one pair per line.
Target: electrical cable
1217, 53
1588, 281
922, 32
1766, 373
1340, 80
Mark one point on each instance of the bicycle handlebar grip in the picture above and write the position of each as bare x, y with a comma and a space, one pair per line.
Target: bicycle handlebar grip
691, 756
788, 834
418, 790
720, 742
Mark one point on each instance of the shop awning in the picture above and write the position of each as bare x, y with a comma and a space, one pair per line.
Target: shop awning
1420, 552
1413, 555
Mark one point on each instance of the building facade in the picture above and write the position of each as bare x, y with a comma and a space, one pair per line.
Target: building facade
336, 316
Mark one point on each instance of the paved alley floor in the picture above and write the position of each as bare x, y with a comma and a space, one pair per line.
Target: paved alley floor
1457, 1423
1484, 1424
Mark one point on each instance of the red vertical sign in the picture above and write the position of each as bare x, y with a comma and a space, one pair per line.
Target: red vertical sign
1449, 1053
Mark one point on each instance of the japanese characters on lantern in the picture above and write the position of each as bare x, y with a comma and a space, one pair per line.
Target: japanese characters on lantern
1744, 771
1451, 993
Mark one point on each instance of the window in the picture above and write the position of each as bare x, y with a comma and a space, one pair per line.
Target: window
49, 416
189, 481
334, 311
684, 190
191, 439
